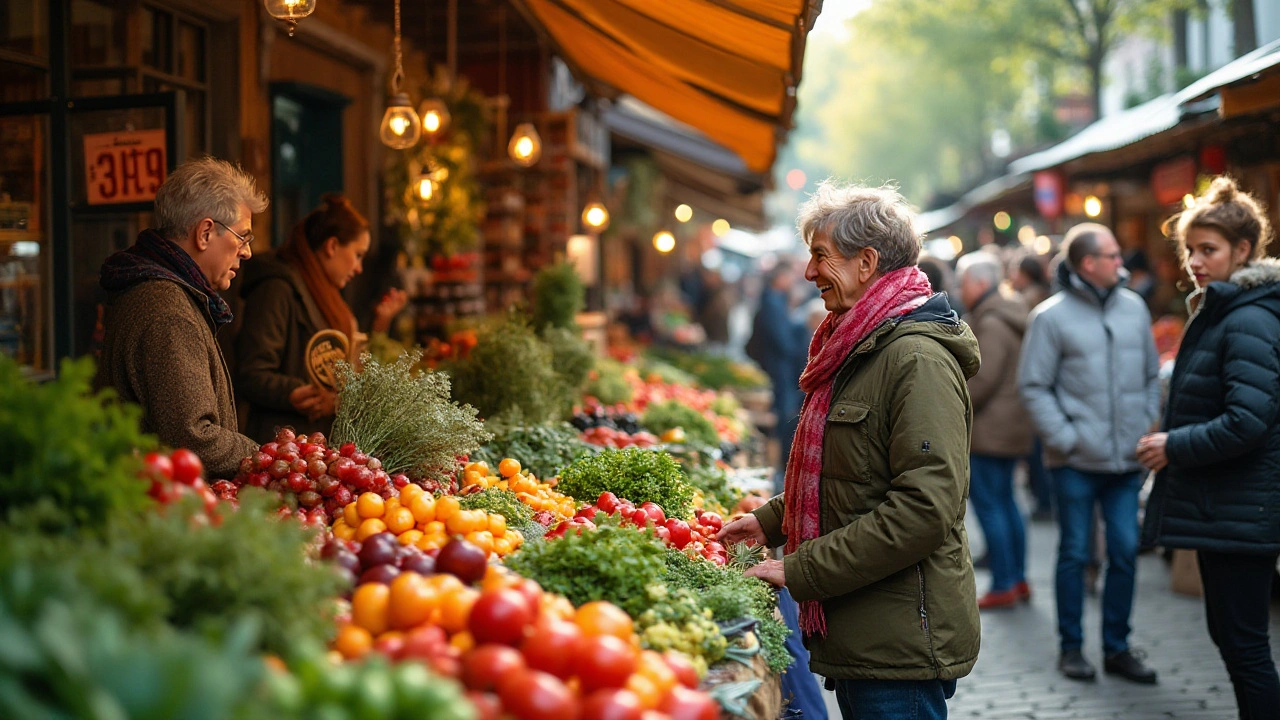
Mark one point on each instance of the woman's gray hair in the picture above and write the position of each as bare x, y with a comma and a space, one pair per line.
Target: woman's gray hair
204, 188
856, 217
981, 266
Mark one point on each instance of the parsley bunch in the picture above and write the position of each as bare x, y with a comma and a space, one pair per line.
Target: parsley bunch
635, 474
616, 564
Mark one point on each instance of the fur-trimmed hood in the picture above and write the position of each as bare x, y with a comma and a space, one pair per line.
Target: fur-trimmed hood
1265, 271
1255, 283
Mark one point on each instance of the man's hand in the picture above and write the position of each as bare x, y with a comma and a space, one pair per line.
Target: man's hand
770, 571
743, 529
1151, 451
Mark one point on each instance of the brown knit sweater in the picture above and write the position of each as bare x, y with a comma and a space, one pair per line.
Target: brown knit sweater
160, 352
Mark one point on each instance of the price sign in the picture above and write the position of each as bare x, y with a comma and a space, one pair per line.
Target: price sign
122, 167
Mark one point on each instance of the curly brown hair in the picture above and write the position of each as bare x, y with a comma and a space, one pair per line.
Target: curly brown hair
1225, 208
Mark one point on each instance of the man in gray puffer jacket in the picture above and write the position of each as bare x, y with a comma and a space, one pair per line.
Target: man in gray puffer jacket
1088, 377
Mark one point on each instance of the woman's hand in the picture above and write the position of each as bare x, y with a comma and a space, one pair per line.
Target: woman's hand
743, 529
769, 570
1151, 451
387, 308
326, 405
313, 401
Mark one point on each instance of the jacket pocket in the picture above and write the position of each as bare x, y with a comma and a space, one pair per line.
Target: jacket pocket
847, 451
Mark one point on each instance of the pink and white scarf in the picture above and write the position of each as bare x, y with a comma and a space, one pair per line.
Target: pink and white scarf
893, 295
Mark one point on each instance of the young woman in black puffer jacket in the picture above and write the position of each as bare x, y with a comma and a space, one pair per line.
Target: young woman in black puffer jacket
1217, 488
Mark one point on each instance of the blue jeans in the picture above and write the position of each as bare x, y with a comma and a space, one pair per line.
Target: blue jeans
1077, 494
894, 699
800, 690
1039, 479
991, 491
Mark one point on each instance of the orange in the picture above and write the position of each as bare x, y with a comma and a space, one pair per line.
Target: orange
370, 505
482, 539
399, 520
509, 467
410, 537
370, 607
353, 641
390, 505
369, 528
435, 527
346, 532
430, 542
411, 601
479, 466
497, 525
351, 514
455, 608
653, 667
472, 477
502, 547
645, 689
446, 507
445, 583
603, 618
463, 641
409, 492
423, 507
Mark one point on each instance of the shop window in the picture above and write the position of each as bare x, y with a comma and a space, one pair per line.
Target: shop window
24, 241
24, 29
23, 83
98, 32
306, 139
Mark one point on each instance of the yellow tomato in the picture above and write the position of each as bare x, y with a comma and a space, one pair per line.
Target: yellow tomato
369, 528
370, 505
351, 514
423, 508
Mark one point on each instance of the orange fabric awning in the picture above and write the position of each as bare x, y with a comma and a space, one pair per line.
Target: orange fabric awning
726, 67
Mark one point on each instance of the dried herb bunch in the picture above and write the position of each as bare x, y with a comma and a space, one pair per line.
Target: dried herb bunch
405, 418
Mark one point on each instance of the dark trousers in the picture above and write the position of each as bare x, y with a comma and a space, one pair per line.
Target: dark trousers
894, 699
1237, 603
1039, 479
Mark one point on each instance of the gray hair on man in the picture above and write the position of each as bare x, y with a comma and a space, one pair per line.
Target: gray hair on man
981, 266
1083, 240
857, 217
204, 188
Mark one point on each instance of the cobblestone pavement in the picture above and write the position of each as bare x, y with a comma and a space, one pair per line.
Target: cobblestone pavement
1016, 675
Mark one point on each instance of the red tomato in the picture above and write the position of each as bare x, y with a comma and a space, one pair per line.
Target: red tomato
187, 467
484, 667
157, 466
532, 592
713, 520
639, 517
391, 645
533, 695
604, 661
715, 547
551, 648
607, 502
424, 642
663, 534
680, 532
685, 704
654, 512
588, 512
488, 706
611, 705
680, 664
501, 616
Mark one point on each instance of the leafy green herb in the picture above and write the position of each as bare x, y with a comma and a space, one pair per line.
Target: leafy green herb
663, 416
609, 383
502, 502
616, 564
510, 375
404, 418
543, 449
558, 296
63, 443
635, 474
711, 371
572, 359
713, 483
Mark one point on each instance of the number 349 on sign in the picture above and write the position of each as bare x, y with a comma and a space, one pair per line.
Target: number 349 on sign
121, 167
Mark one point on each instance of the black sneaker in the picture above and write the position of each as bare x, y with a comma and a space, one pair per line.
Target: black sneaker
1128, 665
1075, 666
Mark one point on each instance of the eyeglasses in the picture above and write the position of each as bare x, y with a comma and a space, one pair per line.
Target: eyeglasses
245, 240
1106, 256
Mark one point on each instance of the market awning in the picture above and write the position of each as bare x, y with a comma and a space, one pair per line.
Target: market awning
729, 69
1247, 84
699, 171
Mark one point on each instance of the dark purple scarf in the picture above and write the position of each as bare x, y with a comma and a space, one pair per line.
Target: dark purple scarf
154, 257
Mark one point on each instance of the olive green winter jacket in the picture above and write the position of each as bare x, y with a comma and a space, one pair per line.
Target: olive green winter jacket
892, 565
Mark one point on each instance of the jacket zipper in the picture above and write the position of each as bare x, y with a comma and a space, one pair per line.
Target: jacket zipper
924, 619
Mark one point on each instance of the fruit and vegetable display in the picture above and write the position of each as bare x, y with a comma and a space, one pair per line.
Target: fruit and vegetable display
417, 562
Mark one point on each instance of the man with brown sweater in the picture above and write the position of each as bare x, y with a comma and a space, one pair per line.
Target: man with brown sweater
163, 312
1001, 426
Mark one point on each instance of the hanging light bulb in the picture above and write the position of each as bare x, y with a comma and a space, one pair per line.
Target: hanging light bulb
290, 11
525, 147
684, 213
400, 127
425, 188
595, 216
435, 116
664, 242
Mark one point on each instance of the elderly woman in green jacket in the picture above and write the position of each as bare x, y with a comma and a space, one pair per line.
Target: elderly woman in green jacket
872, 516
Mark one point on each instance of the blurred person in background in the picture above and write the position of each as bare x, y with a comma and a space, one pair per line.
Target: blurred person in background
1089, 379
1217, 456
1001, 428
294, 294
780, 346
1031, 281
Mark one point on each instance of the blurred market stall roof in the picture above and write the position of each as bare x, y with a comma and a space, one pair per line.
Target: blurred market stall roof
778, 241
728, 69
